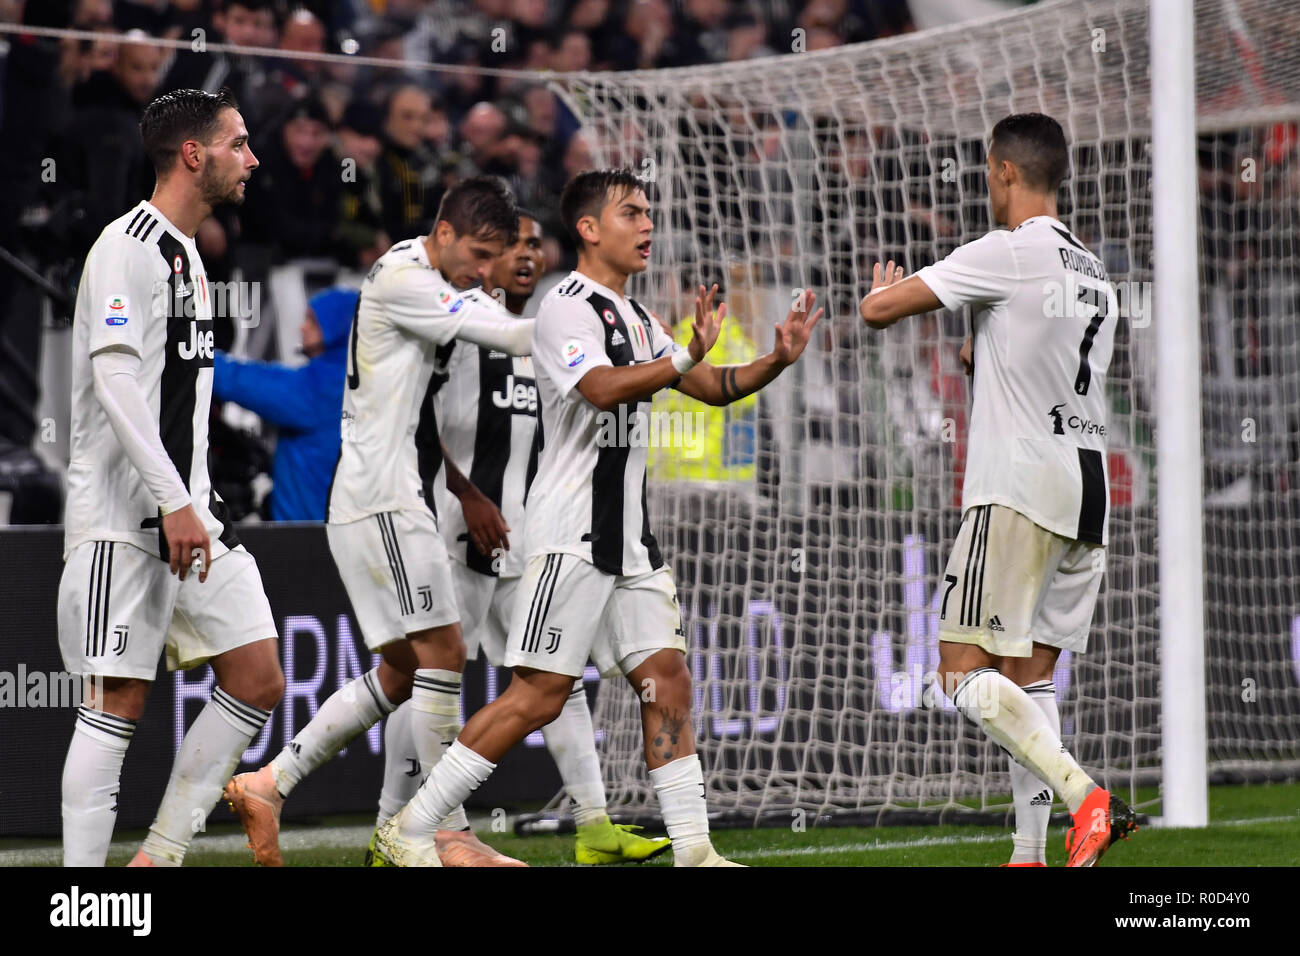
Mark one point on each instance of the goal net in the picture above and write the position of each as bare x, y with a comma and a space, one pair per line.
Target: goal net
807, 529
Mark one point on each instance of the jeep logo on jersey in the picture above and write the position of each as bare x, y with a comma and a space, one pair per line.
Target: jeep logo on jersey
516, 394
200, 344
1084, 426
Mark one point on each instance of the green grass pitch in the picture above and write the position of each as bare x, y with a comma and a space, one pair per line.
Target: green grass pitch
1255, 825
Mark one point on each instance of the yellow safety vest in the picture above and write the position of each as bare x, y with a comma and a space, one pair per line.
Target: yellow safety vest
698, 442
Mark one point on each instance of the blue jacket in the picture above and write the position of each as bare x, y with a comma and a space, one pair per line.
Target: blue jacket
304, 404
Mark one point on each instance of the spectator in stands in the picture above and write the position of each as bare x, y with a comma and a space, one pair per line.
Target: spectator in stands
292, 79
360, 233
104, 168
572, 52
611, 48
294, 199
649, 24
409, 175
244, 23
304, 404
701, 35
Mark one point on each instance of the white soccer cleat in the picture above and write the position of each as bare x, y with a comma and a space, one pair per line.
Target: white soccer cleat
710, 857
389, 848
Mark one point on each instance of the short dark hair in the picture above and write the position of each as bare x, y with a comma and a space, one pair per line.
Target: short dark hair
586, 194
174, 117
480, 206
1035, 143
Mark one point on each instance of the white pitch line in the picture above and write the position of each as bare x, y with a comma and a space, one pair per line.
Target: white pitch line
948, 841
356, 837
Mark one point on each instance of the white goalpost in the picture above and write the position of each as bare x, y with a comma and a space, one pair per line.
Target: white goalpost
808, 533
1178, 406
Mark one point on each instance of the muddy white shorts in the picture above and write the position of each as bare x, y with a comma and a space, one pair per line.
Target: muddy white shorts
1010, 583
486, 603
566, 611
120, 607
396, 572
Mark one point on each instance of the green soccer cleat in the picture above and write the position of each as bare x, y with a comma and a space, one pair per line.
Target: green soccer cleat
371, 858
606, 842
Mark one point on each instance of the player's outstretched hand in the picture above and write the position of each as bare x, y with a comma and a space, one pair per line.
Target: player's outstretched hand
792, 335
707, 324
187, 542
882, 277
485, 523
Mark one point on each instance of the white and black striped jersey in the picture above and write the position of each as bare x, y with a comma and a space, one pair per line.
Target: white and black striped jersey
407, 312
588, 498
1044, 328
487, 413
144, 291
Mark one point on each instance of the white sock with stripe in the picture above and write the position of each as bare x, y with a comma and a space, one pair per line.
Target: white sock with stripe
1015, 723
459, 773
402, 770
91, 773
348, 712
435, 722
679, 785
208, 756
1032, 797
572, 742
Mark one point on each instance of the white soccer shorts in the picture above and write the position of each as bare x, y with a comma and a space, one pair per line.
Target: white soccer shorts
1011, 583
567, 610
120, 607
396, 572
486, 604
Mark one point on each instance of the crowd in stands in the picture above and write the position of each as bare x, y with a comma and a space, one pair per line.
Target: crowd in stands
353, 157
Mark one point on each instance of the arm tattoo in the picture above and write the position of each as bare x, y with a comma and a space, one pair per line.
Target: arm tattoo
729, 390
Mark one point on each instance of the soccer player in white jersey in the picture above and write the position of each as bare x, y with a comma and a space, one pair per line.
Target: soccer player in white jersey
141, 510
382, 534
1024, 572
595, 584
486, 413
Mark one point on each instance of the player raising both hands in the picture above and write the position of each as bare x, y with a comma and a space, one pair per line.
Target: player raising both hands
595, 584
1024, 572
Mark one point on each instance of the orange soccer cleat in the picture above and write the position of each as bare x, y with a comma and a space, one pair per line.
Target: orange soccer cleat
463, 848
253, 796
1101, 820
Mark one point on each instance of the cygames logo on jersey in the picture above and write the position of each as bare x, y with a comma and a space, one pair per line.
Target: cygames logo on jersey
1084, 426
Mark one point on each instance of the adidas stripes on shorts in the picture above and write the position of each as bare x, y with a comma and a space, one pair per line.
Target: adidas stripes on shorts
1010, 583
397, 574
120, 607
567, 610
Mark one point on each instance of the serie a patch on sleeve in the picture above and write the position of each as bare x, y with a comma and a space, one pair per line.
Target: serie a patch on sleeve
573, 354
116, 310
